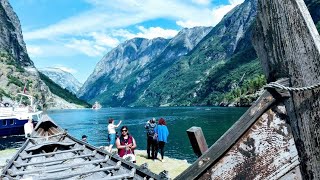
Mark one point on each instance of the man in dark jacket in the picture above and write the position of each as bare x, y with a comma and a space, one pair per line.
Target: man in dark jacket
151, 139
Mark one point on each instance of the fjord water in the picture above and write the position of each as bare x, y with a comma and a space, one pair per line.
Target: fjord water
214, 121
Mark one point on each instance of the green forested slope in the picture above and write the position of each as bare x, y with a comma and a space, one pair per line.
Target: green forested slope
63, 93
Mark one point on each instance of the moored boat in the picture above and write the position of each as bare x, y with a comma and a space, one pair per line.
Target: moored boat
51, 153
96, 105
13, 116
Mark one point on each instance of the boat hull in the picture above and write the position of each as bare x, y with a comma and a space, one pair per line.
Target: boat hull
10, 127
51, 153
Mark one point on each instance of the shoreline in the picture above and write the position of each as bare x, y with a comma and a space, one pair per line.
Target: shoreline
173, 166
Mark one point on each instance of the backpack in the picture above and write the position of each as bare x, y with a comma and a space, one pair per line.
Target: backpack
150, 130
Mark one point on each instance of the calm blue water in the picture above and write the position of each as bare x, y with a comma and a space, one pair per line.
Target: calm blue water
214, 121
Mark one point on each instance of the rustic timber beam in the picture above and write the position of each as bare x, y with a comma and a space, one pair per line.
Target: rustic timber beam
265, 101
68, 166
197, 140
49, 161
117, 166
122, 176
50, 143
288, 46
51, 153
49, 136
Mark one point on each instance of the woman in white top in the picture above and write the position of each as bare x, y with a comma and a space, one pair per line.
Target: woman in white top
28, 128
112, 133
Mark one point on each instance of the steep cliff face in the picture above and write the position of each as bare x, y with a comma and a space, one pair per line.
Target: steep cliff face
121, 86
200, 77
64, 79
11, 39
220, 61
120, 63
16, 68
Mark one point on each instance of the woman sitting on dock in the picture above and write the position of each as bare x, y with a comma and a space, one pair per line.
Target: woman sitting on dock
125, 143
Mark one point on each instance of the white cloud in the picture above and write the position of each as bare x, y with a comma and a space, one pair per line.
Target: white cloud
190, 23
202, 2
104, 26
64, 68
34, 51
49, 50
90, 48
123, 13
154, 32
214, 18
220, 11
104, 40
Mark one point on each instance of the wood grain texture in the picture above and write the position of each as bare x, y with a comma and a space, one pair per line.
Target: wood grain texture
288, 45
265, 151
215, 152
197, 140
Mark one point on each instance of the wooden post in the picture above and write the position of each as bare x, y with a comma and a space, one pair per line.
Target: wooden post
288, 45
197, 140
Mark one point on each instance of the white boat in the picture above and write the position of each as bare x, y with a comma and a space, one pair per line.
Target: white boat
14, 116
96, 105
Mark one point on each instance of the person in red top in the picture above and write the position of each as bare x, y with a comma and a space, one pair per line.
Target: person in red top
125, 143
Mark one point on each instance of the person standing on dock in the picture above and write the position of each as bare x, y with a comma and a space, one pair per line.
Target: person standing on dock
162, 134
151, 138
112, 133
28, 128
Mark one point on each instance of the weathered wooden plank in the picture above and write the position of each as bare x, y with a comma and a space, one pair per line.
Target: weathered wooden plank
17, 164
265, 151
197, 140
51, 153
122, 176
288, 45
224, 143
93, 170
17, 173
49, 136
49, 143
117, 166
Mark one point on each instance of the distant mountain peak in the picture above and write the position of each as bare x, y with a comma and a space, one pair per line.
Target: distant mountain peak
64, 79
135, 62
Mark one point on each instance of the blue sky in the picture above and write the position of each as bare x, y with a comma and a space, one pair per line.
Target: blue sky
75, 34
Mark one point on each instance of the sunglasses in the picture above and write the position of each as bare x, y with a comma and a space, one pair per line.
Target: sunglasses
124, 130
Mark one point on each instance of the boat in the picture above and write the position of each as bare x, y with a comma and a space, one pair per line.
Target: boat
14, 115
96, 105
51, 153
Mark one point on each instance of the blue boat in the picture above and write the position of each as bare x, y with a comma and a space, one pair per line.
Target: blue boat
13, 116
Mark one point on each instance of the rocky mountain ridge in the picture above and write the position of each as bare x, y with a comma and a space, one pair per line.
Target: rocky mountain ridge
16, 68
107, 83
64, 79
222, 66
179, 74
11, 39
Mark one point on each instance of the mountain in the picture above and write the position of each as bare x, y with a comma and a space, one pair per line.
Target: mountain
11, 39
118, 76
64, 79
16, 68
219, 66
187, 78
119, 63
